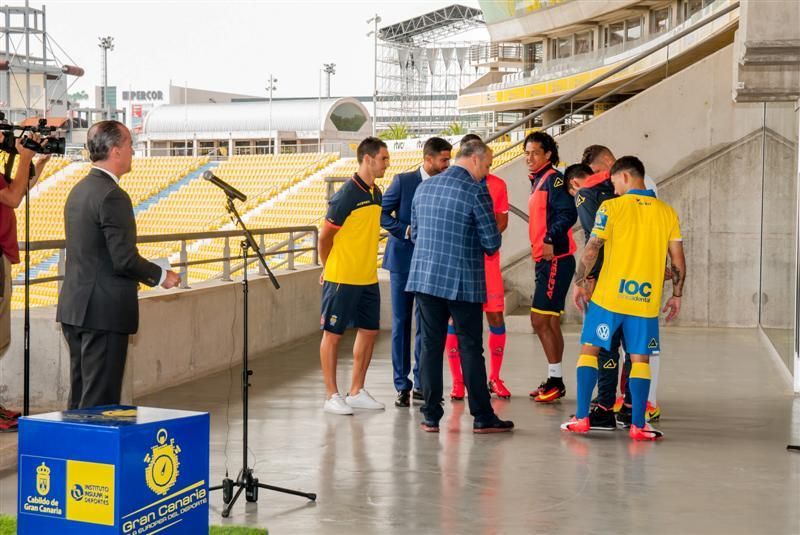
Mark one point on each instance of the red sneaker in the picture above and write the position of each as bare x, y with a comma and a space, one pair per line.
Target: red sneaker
9, 413
551, 390
497, 387
647, 432
652, 413
8, 425
538, 390
618, 403
577, 426
457, 394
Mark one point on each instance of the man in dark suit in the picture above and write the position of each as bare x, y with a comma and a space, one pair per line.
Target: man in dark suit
98, 307
452, 227
396, 219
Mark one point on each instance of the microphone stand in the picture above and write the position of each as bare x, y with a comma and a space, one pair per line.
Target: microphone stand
246, 481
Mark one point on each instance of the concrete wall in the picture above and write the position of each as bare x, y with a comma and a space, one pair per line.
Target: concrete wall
768, 52
183, 335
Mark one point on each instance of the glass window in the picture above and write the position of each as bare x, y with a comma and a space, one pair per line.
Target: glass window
562, 47
690, 7
348, 118
584, 42
614, 34
660, 18
534, 54
633, 29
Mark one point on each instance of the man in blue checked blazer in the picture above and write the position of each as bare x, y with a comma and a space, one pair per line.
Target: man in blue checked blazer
452, 227
396, 219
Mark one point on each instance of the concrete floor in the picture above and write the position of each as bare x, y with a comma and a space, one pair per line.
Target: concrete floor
722, 468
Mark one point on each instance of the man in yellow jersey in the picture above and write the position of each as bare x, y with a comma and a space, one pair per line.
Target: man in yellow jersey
636, 231
348, 250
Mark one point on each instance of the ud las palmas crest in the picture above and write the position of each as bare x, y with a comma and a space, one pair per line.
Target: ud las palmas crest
162, 464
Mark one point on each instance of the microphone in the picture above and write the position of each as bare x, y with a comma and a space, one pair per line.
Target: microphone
229, 190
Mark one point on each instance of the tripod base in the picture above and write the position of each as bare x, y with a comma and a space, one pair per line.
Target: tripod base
250, 485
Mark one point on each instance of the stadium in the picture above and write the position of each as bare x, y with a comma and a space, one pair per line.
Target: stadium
705, 92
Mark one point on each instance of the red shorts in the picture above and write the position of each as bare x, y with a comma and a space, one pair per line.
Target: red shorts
495, 292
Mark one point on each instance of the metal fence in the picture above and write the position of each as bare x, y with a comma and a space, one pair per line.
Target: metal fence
302, 240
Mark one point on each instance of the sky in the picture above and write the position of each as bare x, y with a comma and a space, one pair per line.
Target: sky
229, 46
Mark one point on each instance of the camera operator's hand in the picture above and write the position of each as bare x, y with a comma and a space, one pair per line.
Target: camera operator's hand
172, 280
26, 154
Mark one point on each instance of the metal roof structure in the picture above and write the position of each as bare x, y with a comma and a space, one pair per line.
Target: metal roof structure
243, 118
433, 26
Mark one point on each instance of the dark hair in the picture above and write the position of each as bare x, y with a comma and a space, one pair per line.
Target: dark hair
371, 146
577, 170
435, 145
593, 152
102, 137
631, 164
472, 148
470, 137
547, 143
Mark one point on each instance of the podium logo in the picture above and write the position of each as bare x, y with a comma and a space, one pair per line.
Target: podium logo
120, 413
161, 472
90, 492
43, 479
76, 492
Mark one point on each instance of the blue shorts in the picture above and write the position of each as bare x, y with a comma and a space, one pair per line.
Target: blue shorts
349, 305
641, 334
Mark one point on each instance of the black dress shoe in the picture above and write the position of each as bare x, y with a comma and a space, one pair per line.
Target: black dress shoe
493, 426
417, 394
403, 399
429, 426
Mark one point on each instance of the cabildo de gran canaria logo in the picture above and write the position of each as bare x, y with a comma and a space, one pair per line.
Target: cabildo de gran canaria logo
162, 464
43, 480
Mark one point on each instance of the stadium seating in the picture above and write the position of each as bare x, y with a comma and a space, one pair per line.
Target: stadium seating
197, 205
200, 206
147, 178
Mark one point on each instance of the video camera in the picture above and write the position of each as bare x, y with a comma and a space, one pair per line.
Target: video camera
49, 144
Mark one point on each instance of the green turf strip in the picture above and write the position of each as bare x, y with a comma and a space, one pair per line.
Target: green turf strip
8, 526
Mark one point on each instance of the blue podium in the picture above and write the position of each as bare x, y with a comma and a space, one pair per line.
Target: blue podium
115, 469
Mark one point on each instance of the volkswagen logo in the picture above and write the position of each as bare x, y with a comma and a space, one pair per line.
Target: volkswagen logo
603, 332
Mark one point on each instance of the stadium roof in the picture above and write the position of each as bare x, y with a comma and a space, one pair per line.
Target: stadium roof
439, 24
214, 120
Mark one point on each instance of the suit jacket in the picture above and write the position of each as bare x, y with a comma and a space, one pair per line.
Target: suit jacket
103, 267
397, 200
452, 226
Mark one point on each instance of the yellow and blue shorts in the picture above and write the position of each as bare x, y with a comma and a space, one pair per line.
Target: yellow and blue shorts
641, 334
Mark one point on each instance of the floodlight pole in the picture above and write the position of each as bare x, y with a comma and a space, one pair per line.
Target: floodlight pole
107, 45
374, 33
330, 69
271, 87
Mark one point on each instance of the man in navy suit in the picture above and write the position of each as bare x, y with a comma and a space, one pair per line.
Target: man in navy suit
396, 219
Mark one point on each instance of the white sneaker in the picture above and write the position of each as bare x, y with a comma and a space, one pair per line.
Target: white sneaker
363, 400
337, 405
